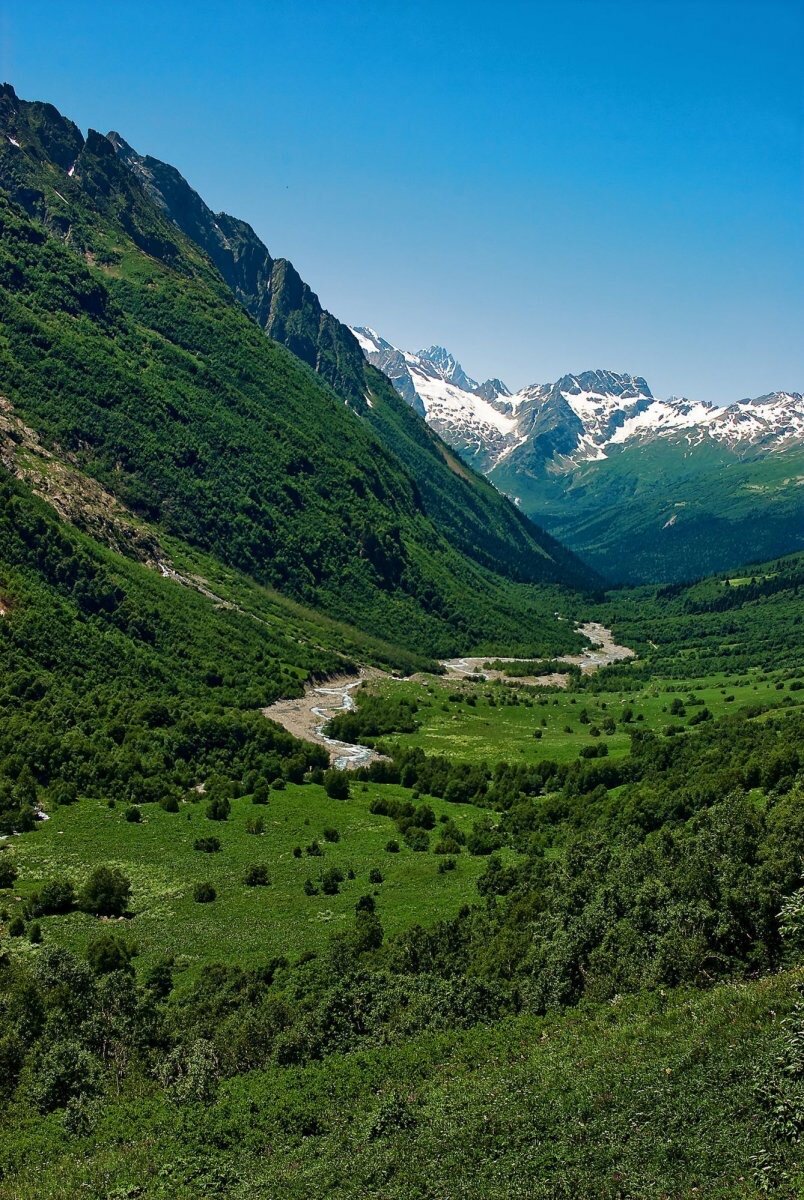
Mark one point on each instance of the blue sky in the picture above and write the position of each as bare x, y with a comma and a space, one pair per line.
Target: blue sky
541, 187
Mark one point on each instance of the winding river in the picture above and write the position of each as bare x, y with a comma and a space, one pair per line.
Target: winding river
307, 716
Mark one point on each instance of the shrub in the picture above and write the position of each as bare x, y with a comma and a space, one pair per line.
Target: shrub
17, 927
331, 881
255, 825
108, 953
256, 876
446, 864
336, 784
207, 845
297, 851
331, 835
219, 809
106, 893
8, 870
309, 888
393, 846
376, 876
204, 893
35, 933
55, 896
64, 1070
447, 845
169, 804
417, 839
261, 793
314, 850
133, 815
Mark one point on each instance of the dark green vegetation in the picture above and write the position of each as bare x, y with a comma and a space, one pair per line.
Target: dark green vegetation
229, 970
466, 509
123, 347
661, 512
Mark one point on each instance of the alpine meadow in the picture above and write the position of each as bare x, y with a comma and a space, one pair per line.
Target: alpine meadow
401, 775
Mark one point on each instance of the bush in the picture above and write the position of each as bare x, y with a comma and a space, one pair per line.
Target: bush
106, 893
8, 870
17, 927
64, 1070
35, 933
219, 809
376, 876
170, 804
207, 845
417, 839
331, 881
393, 846
336, 784
56, 896
261, 793
331, 835
446, 864
309, 888
255, 825
133, 815
256, 876
109, 953
204, 893
314, 850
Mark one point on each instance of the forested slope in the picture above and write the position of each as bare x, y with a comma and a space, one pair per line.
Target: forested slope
123, 346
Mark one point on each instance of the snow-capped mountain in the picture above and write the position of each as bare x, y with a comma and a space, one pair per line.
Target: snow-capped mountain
579, 418
644, 489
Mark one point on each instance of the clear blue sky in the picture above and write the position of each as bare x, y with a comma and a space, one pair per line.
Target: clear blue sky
542, 187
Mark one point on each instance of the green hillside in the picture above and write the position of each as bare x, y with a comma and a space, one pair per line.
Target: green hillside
658, 512
123, 348
474, 517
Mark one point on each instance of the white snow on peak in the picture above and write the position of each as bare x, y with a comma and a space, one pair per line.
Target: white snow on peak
590, 412
13, 141
366, 337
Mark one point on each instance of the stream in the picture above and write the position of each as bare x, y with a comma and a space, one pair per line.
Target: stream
307, 716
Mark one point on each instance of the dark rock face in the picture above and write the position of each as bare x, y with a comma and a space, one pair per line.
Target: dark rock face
271, 290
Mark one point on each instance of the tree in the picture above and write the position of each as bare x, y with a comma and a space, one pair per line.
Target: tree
106, 893
108, 953
336, 784
368, 933
55, 896
64, 1070
219, 808
331, 881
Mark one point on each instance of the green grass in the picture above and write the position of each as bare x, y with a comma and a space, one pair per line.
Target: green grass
244, 924
486, 732
652, 1097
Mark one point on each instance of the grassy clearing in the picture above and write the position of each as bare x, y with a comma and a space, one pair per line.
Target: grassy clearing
244, 924
492, 722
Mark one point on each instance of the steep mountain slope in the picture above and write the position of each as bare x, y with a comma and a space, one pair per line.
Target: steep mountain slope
123, 347
642, 488
472, 515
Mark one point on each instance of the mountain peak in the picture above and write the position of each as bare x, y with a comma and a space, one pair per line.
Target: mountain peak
448, 367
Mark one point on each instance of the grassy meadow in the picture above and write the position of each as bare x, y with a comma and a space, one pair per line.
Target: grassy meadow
487, 722
244, 924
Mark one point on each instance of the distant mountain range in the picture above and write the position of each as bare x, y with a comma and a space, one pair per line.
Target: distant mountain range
643, 488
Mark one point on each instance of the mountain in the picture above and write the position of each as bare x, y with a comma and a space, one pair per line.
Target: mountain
642, 488
470, 513
130, 357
